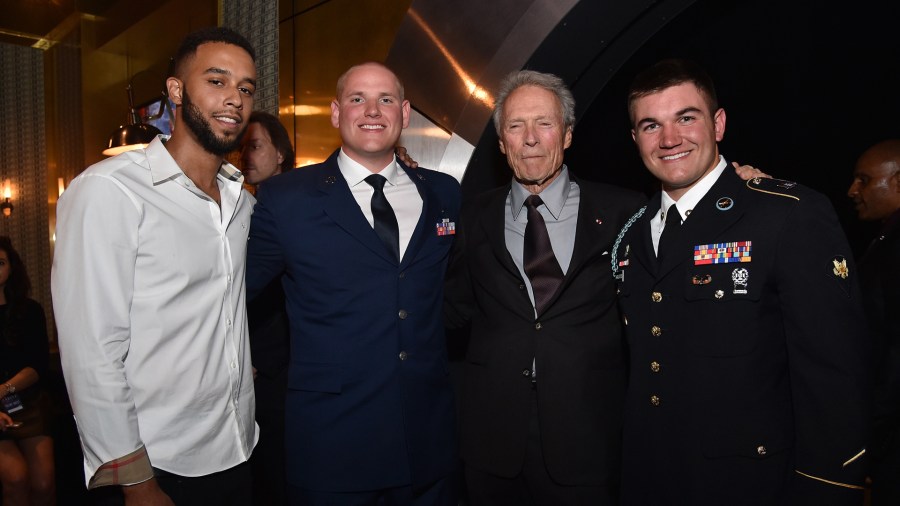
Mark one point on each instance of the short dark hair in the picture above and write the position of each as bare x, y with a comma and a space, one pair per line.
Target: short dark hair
280, 138
672, 72
193, 40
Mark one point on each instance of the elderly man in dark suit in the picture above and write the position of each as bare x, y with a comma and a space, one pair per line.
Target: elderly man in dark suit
748, 348
544, 377
363, 244
876, 193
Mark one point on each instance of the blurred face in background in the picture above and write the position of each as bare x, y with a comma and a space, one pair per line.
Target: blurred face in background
4, 269
259, 158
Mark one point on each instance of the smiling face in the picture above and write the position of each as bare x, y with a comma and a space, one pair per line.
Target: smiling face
370, 114
214, 96
533, 136
259, 158
677, 135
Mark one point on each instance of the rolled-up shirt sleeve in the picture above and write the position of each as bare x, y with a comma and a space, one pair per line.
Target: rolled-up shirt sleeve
93, 285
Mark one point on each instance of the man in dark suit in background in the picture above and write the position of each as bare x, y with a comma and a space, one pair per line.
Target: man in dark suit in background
876, 192
363, 245
748, 347
544, 376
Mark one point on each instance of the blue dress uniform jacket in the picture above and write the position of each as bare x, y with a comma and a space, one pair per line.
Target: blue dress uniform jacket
577, 344
748, 381
369, 403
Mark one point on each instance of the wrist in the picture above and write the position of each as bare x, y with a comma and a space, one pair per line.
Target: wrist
10, 388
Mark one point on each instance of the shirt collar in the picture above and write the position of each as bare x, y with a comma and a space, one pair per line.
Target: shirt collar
554, 195
692, 197
163, 167
355, 173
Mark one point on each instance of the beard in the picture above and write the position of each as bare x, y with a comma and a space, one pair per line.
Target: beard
196, 123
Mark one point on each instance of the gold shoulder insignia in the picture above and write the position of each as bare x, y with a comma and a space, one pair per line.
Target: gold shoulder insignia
830, 482
840, 267
773, 186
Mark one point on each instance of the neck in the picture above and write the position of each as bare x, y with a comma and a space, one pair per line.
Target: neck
199, 165
536, 187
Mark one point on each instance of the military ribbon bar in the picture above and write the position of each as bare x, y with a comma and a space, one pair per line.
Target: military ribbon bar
722, 253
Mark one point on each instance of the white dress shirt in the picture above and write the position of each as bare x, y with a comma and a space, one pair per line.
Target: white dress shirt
686, 203
400, 191
148, 293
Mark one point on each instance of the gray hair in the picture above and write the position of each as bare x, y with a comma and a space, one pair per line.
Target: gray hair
516, 79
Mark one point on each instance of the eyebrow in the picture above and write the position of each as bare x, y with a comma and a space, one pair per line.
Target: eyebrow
678, 113
217, 70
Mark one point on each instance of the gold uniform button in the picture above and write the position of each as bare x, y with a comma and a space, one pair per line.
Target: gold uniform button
654, 366
720, 294
403, 355
654, 400
761, 450
538, 326
656, 297
656, 331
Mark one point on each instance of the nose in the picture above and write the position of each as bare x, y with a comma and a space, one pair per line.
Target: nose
531, 138
372, 109
853, 191
235, 98
669, 137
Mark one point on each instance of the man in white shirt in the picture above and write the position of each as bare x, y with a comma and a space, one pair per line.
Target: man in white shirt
148, 293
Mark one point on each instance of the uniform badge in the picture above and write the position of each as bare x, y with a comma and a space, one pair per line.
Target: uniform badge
701, 280
740, 276
421, 177
724, 203
723, 253
330, 179
840, 267
446, 227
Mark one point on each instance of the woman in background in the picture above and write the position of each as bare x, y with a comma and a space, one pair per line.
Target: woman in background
26, 449
266, 151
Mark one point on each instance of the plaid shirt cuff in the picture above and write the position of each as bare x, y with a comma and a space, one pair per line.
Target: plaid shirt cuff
130, 469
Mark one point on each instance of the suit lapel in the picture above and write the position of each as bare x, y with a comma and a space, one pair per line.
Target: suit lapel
494, 223
342, 208
640, 243
717, 211
430, 209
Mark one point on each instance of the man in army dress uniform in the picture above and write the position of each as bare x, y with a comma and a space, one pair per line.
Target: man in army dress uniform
748, 369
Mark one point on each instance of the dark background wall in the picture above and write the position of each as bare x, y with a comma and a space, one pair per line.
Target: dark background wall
806, 88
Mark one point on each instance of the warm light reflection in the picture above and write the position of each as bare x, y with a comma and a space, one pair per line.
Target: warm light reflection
7, 190
304, 110
304, 163
477, 92
61, 185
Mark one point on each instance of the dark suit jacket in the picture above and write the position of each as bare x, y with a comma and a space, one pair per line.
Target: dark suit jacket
738, 384
577, 344
879, 270
369, 402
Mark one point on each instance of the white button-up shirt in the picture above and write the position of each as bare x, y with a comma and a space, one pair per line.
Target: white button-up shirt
148, 293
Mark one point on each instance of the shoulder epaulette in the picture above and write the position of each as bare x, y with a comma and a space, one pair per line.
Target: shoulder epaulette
774, 186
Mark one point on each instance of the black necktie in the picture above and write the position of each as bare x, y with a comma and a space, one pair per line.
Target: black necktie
385, 219
540, 264
670, 231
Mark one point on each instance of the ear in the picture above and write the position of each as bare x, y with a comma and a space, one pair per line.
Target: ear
280, 157
335, 114
405, 108
719, 120
174, 87
633, 136
568, 138
502, 146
